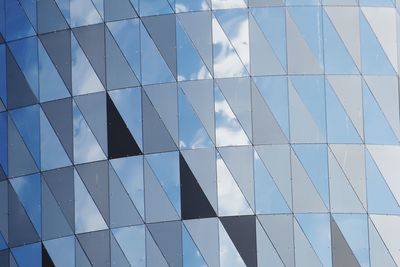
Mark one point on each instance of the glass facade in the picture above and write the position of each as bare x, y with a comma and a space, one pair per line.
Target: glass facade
193, 133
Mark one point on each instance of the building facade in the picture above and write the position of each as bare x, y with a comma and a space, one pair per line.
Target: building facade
194, 133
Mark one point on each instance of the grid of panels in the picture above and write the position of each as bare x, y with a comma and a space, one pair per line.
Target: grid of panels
199, 133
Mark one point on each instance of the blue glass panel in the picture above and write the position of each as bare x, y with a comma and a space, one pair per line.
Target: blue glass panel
3, 243
269, 199
87, 215
191, 131
3, 140
53, 154
154, 7
190, 5
312, 92
373, 58
132, 242
25, 52
154, 68
227, 128
126, 34
27, 120
30, 10
355, 230
17, 23
337, 58
275, 92
28, 255
380, 198
129, 104
191, 255
340, 127
61, 251
65, 9
272, 22
313, 157
130, 172
309, 22
380, 3
190, 64
377, 129
83, 13
51, 85
28, 189
318, 231
86, 147
166, 167
3, 88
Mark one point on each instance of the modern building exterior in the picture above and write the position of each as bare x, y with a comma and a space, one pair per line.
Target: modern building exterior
193, 133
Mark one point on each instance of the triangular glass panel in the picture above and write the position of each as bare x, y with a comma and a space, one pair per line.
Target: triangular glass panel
228, 129
190, 65
27, 121
166, 167
52, 153
87, 215
28, 189
191, 131
305, 254
191, 254
118, 10
130, 173
82, 13
377, 129
154, 68
86, 147
128, 102
317, 230
225, 55
96, 246
374, 59
51, 85
28, 255
314, 160
340, 128
188, 5
229, 256
230, 198
354, 228
84, 78
269, 199
126, 34
25, 52
17, 24
272, 23
49, 16
275, 93
380, 197
61, 250
132, 242
155, 7
337, 58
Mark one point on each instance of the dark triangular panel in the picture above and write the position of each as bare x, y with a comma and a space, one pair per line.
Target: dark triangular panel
342, 255
120, 140
1, 39
168, 236
91, 40
58, 47
242, 231
162, 30
118, 10
49, 17
119, 73
20, 229
46, 260
95, 177
194, 203
97, 247
59, 114
18, 90
61, 185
